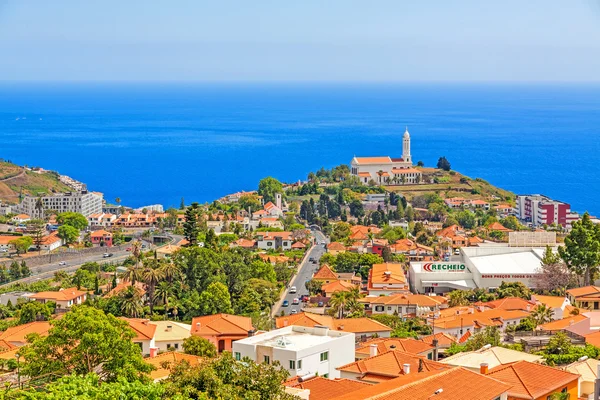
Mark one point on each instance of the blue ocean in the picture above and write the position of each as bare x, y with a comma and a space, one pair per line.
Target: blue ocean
157, 142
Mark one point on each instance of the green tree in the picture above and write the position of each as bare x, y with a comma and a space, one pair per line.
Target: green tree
490, 335
86, 340
443, 164
581, 251
73, 219
68, 234
215, 299
542, 314
513, 289
33, 311
37, 229
14, 271
130, 301
191, 228
356, 208
466, 219
162, 293
250, 202
268, 187
22, 244
553, 275
458, 298
511, 222
198, 346
152, 275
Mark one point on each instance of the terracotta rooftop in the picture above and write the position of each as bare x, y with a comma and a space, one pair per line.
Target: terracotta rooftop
221, 324
165, 362
531, 380
562, 323
336, 246
325, 272
15, 335
61, 295
585, 291
406, 299
386, 273
354, 325
324, 389
509, 303
455, 383
337, 286
444, 339
373, 160
407, 345
142, 328
550, 301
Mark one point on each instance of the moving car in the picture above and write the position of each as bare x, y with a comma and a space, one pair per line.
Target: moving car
293, 289
457, 252
296, 301
294, 311
285, 303
62, 263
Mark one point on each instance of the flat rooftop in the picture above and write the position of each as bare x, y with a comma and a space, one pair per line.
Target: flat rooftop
294, 338
524, 262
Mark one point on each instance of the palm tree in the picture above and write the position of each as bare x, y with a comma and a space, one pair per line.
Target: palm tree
542, 314
136, 251
152, 275
130, 302
133, 274
161, 294
170, 270
338, 302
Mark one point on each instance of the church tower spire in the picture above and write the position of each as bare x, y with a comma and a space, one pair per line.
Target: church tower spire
406, 147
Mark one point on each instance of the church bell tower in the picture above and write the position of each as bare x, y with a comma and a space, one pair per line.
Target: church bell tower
406, 147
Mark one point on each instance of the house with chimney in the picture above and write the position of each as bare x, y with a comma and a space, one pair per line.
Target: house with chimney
386, 279
222, 330
64, 298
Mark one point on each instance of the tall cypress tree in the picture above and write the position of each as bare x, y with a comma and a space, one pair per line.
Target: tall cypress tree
190, 226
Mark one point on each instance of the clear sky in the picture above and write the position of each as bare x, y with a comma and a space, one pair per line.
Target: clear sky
318, 40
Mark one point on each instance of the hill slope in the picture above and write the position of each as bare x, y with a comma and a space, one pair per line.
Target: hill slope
14, 178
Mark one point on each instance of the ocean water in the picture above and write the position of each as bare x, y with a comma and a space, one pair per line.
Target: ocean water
155, 143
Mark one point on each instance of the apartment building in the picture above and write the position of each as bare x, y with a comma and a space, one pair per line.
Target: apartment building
542, 210
86, 203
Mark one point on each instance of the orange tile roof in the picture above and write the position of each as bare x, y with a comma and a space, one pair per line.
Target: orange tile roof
406, 299
404, 171
560, 324
452, 229
509, 303
336, 246
407, 345
165, 362
298, 245
550, 301
273, 235
465, 337
497, 226
124, 285
373, 160
390, 364
324, 389
482, 318
386, 273
531, 380
245, 243
325, 272
221, 324
444, 339
354, 325
584, 291
142, 328
456, 383
17, 334
365, 229
337, 286
100, 233
61, 295
593, 339
364, 174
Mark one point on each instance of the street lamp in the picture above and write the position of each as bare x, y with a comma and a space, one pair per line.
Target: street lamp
18, 356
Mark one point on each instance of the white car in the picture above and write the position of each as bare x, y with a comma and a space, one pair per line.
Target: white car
457, 252
293, 289
62, 263
294, 311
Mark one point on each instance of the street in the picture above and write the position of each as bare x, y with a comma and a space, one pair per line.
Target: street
307, 268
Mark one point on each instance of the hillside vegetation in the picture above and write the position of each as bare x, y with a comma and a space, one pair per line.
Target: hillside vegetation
14, 178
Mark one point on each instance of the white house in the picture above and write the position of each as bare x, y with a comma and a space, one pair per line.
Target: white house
19, 219
64, 298
169, 335
144, 335
274, 240
300, 350
101, 219
51, 242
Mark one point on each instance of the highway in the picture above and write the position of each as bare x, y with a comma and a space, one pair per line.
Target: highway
305, 272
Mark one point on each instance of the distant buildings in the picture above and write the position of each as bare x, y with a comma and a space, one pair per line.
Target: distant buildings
300, 350
541, 210
274, 240
222, 329
83, 202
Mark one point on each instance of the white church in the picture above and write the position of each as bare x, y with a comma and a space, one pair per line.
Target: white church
386, 170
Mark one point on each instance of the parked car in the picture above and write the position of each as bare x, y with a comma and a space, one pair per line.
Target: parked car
293, 290
128, 249
320, 304
457, 252
296, 301
304, 298
285, 303
294, 311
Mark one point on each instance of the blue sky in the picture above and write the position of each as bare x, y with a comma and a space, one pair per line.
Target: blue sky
310, 40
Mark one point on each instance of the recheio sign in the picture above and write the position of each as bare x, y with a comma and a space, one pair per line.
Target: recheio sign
444, 267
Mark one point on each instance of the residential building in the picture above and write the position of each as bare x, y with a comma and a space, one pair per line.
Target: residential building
372, 347
535, 381
412, 250
587, 369
144, 335
139, 286
541, 210
101, 238
507, 303
384, 169
493, 356
387, 278
165, 362
382, 367
20, 218
335, 248
562, 324
363, 234
14, 297
504, 210
222, 329
274, 240
17, 335
318, 388
585, 297
362, 327
300, 350
444, 341
243, 243
458, 322
558, 304
449, 384
329, 289
5, 245
64, 298
5, 209
404, 305
170, 335
83, 202
51, 242
101, 220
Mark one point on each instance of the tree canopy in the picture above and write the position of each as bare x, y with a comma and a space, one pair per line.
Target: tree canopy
73, 219
268, 187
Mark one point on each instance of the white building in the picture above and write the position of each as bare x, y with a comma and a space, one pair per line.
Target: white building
101, 219
170, 335
301, 351
386, 169
274, 240
85, 203
481, 267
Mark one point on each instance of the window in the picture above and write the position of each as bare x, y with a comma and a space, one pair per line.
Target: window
389, 308
176, 346
238, 356
299, 364
292, 364
378, 308
324, 356
267, 360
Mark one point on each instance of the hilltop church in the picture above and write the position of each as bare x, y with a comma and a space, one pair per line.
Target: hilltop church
387, 170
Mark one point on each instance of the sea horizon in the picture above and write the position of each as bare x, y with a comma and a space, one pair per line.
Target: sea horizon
155, 142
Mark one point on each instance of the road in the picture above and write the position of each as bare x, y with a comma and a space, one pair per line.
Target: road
307, 268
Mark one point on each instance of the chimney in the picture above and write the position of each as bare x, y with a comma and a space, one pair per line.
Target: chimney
169, 328
153, 352
483, 368
373, 350
406, 369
